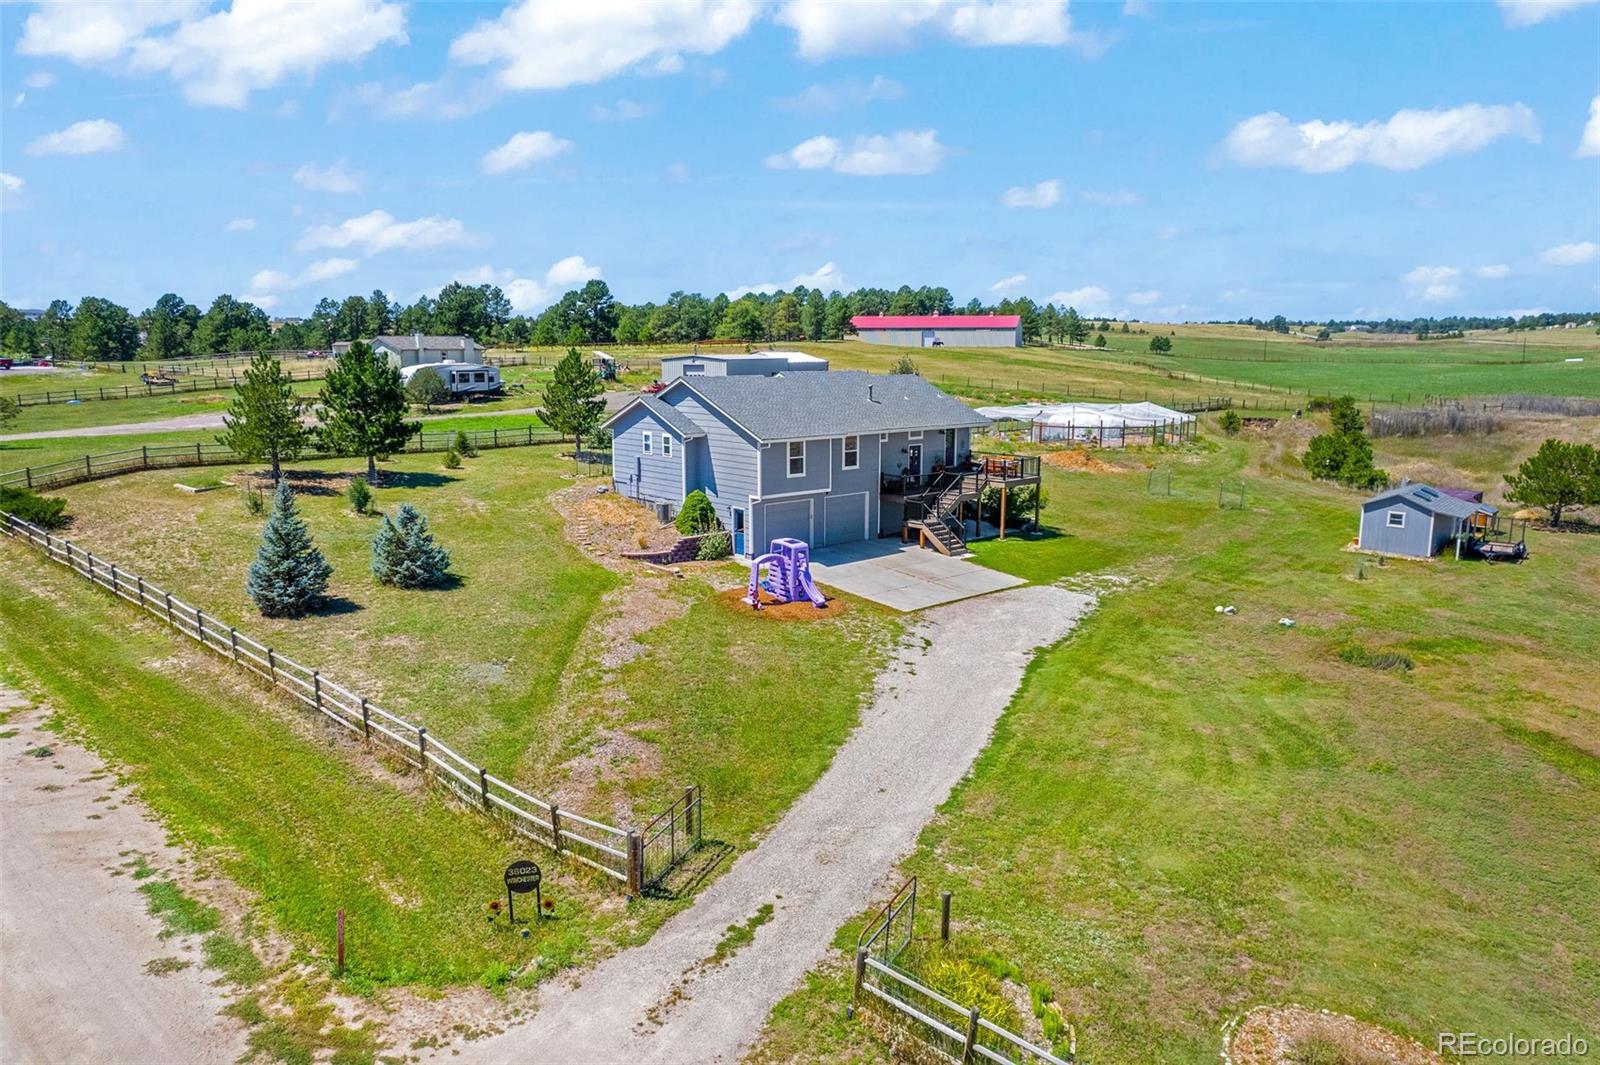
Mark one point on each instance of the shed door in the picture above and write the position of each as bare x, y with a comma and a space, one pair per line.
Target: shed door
844, 518
791, 518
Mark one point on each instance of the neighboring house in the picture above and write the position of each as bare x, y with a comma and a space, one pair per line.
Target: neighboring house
821, 457
936, 330
756, 363
420, 348
1416, 520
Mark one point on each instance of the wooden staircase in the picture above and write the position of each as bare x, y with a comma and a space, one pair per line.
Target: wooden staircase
938, 526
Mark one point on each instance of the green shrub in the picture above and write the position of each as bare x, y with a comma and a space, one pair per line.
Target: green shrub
1019, 503
47, 512
359, 495
255, 504
715, 548
1160, 344
697, 514
452, 461
1231, 422
464, 446
404, 554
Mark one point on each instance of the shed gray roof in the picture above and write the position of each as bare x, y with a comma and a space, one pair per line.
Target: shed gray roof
665, 413
408, 342
835, 403
1432, 500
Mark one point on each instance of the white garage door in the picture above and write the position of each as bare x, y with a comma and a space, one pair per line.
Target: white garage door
844, 518
791, 519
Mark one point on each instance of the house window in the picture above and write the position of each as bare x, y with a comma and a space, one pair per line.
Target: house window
914, 436
797, 458
648, 441
1397, 519
666, 445
852, 452
479, 377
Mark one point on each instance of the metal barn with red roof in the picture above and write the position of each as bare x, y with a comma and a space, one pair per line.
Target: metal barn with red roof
940, 330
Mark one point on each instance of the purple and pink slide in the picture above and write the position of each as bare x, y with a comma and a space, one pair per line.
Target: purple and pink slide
788, 579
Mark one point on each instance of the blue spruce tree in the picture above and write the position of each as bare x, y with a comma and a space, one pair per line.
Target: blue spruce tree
289, 576
404, 554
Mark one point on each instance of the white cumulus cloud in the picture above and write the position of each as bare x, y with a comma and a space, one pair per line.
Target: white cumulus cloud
527, 294
1144, 296
1519, 14
267, 282
623, 110
1571, 254
333, 178
825, 28
522, 151
827, 277
905, 152
1044, 194
1110, 197
1433, 282
81, 138
1589, 144
538, 45
240, 225
10, 182
834, 96
379, 231
39, 79
217, 57
1492, 272
1007, 285
1407, 140
1090, 300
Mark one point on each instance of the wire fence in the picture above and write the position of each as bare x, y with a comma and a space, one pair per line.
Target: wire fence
161, 383
613, 851
165, 456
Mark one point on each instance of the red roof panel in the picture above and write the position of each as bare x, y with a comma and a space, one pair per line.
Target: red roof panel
936, 321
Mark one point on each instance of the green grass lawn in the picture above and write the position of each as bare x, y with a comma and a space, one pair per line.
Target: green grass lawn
512, 666
1184, 814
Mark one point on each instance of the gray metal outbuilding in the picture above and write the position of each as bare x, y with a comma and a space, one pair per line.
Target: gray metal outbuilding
1416, 520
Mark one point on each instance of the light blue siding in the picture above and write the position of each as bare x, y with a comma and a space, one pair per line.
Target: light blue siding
656, 477
723, 462
1419, 537
953, 338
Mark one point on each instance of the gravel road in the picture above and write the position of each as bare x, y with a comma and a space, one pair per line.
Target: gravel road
826, 860
75, 940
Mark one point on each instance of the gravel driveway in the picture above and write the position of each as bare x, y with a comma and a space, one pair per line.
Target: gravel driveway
825, 861
75, 941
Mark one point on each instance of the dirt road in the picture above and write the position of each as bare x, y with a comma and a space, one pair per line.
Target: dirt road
75, 940
825, 861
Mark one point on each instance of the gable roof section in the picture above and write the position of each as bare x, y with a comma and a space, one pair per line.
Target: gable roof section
665, 413
408, 342
936, 321
1432, 500
841, 402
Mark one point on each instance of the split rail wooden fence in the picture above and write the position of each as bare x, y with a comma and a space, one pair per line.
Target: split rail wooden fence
619, 853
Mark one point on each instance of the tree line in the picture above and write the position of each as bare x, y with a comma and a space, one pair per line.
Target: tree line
1451, 325
99, 329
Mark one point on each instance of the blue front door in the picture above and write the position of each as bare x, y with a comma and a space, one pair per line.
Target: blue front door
738, 530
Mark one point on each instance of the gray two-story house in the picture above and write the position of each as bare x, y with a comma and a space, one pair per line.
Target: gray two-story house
821, 457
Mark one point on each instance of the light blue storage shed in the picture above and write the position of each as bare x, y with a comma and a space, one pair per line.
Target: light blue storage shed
1416, 520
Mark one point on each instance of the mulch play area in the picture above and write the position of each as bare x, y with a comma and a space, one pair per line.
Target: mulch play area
1284, 1035
733, 599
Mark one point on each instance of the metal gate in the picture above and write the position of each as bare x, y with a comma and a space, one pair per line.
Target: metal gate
670, 838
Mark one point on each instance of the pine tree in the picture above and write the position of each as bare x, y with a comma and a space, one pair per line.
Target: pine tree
263, 421
572, 402
404, 554
289, 576
364, 407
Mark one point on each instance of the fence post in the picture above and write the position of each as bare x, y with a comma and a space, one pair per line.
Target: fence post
944, 916
366, 718
483, 785
422, 748
316, 688
972, 1035
688, 814
861, 976
115, 588
200, 626
145, 452
139, 585
635, 862
233, 642
272, 666
88, 469
28, 473
168, 596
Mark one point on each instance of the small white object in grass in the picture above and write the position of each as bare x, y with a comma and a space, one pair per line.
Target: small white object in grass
601, 489
1287, 623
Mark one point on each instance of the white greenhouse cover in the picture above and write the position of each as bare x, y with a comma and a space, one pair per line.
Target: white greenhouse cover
1089, 415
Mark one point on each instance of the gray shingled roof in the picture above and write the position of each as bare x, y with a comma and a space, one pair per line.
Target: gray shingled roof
1431, 499
832, 403
408, 342
666, 413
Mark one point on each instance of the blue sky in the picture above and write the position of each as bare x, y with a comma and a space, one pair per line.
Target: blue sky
1154, 160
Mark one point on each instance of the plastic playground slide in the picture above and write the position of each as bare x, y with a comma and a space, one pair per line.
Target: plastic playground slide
788, 565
